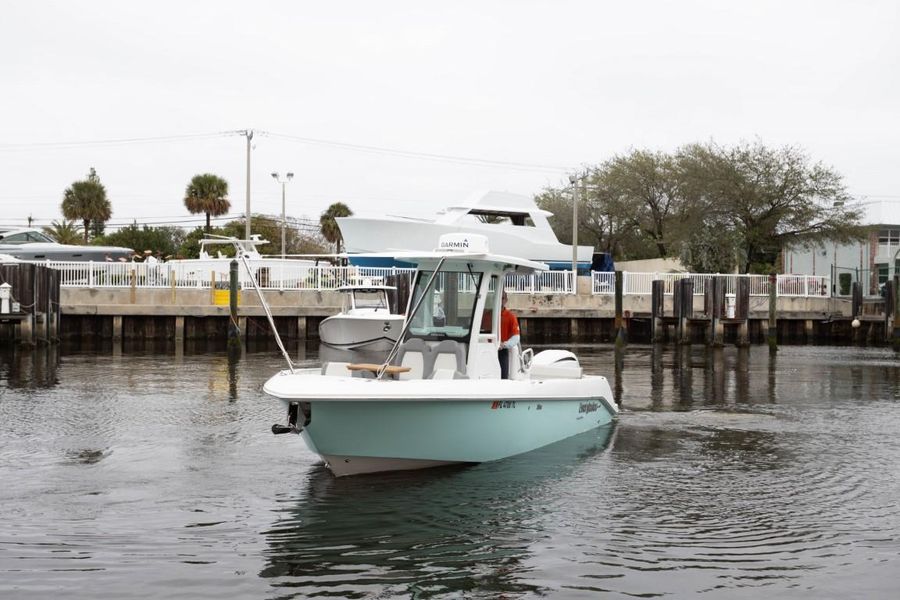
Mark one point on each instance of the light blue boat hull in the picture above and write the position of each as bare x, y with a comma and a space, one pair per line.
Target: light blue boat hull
447, 431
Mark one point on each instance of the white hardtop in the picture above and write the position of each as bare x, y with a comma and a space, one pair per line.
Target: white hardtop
468, 248
248, 247
501, 202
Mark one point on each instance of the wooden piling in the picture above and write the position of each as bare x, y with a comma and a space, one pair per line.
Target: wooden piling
896, 313
715, 298
301, 328
619, 325
657, 310
179, 330
742, 311
773, 314
234, 330
117, 329
684, 292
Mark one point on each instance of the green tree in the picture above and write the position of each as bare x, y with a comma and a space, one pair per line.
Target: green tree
709, 249
604, 222
206, 193
65, 232
766, 199
300, 237
642, 189
329, 227
86, 201
163, 240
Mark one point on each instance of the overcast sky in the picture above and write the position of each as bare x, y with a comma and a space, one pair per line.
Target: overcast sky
407, 107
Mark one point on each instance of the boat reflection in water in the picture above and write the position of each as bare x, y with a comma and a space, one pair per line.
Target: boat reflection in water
439, 531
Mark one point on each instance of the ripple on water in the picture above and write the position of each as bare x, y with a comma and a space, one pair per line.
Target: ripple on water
730, 473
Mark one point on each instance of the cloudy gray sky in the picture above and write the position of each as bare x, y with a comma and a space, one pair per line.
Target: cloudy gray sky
409, 106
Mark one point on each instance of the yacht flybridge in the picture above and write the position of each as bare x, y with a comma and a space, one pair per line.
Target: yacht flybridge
438, 399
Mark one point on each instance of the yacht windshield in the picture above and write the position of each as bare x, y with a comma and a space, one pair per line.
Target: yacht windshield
26, 237
448, 307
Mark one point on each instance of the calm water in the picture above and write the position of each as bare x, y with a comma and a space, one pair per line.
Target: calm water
729, 474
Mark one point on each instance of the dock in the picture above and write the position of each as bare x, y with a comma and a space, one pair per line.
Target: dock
147, 304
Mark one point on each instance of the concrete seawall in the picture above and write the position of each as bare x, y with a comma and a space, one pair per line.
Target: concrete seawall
144, 314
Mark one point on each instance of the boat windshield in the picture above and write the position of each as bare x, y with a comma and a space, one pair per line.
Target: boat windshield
26, 237
374, 299
448, 307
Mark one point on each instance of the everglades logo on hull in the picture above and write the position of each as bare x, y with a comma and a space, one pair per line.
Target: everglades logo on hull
588, 407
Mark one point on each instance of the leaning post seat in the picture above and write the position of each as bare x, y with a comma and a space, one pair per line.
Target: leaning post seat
448, 360
415, 354
336, 369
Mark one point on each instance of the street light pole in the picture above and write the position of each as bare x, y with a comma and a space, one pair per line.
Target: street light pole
573, 179
283, 183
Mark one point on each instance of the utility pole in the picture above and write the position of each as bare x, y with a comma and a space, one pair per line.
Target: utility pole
248, 133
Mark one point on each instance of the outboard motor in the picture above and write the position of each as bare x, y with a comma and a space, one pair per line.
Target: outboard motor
555, 364
295, 409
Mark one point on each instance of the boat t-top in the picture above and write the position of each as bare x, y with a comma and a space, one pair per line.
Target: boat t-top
439, 398
213, 265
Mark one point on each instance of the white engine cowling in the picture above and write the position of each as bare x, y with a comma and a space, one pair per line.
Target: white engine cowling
555, 364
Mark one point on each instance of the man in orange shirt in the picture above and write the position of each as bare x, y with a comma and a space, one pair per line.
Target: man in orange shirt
509, 336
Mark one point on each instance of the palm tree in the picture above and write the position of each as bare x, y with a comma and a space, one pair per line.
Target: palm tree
328, 225
64, 232
86, 201
206, 194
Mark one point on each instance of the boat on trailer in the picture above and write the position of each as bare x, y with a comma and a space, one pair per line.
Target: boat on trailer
439, 399
365, 320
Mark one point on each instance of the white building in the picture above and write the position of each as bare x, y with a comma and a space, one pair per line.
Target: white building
871, 262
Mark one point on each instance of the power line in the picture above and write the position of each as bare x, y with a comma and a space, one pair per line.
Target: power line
482, 162
114, 142
306, 224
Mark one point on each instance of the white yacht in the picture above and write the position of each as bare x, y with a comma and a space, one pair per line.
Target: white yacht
26, 243
513, 223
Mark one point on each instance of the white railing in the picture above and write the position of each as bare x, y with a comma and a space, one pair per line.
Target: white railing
548, 282
641, 283
275, 274
180, 274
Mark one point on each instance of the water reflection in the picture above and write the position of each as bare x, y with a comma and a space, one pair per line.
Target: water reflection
30, 368
438, 532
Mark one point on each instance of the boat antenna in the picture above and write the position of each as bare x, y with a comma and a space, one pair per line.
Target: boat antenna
243, 256
408, 321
